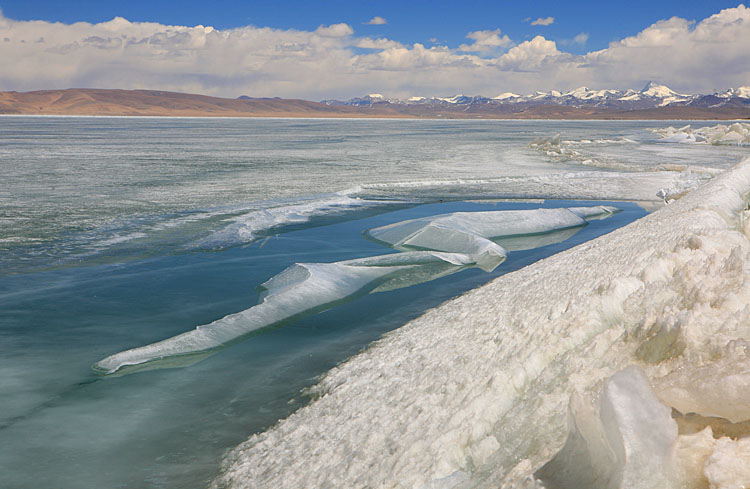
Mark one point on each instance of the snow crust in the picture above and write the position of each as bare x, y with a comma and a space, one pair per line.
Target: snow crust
477, 391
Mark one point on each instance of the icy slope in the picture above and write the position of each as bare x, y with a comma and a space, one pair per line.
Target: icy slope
474, 393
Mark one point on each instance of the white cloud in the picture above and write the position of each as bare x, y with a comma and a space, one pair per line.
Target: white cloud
380, 43
377, 20
529, 55
334, 30
326, 62
581, 38
690, 56
543, 21
485, 41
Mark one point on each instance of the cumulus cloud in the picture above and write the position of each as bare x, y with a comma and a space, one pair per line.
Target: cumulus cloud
377, 20
485, 41
692, 56
543, 21
332, 61
529, 55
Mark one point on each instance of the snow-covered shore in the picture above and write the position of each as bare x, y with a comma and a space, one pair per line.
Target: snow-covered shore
475, 393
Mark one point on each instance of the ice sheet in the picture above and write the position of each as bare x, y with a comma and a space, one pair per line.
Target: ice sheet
477, 233
480, 385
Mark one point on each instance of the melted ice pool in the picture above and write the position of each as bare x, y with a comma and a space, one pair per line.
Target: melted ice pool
62, 426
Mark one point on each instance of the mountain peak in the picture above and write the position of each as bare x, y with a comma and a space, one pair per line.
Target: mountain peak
653, 89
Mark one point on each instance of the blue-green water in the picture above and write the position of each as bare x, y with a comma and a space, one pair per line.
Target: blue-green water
62, 426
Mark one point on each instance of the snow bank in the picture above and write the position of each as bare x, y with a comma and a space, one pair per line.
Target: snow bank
475, 392
737, 133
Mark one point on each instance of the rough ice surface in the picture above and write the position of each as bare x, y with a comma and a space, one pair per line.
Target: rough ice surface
633, 434
481, 384
718, 389
728, 467
737, 133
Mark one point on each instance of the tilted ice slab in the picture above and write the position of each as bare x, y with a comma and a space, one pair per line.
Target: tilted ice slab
474, 393
630, 434
300, 289
477, 234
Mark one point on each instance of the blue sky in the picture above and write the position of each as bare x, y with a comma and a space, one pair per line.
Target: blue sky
408, 21
327, 49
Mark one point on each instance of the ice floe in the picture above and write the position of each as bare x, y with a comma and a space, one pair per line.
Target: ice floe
475, 393
485, 236
302, 288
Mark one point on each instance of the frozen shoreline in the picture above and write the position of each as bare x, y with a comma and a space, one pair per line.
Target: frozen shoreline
474, 393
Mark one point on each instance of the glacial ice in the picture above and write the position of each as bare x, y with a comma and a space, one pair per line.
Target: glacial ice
481, 384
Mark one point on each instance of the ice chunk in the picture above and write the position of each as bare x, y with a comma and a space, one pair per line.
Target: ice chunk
716, 389
594, 212
300, 289
481, 234
728, 467
587, 460
633, 435
737, 133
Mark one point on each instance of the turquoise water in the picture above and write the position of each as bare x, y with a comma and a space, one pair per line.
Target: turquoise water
62, 426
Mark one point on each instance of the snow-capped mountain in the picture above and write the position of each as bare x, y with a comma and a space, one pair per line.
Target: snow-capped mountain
652, 95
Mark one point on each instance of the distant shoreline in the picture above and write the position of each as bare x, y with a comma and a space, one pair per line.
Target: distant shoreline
152, 103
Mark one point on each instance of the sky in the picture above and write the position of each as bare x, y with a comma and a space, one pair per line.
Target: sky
340, 49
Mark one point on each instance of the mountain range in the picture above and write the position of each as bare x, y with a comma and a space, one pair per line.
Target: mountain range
652, 102
653, 95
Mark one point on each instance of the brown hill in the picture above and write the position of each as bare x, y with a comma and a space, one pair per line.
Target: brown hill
160, 103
